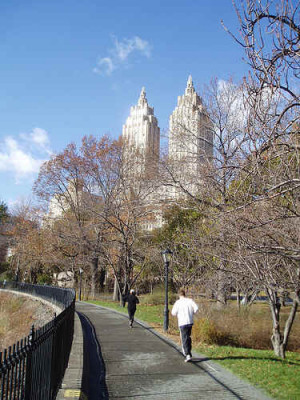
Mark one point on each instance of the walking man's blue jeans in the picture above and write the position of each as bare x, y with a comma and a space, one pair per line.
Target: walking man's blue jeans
185, 333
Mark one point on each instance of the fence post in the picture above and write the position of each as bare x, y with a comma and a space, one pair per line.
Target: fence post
28, 375
3, 373
54, 355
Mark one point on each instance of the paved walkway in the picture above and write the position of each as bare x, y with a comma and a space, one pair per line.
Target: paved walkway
124, 363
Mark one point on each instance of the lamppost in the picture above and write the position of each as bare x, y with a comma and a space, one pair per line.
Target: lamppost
80, 279
167, 255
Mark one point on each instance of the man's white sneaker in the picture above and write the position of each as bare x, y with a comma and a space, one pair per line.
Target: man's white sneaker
188, 358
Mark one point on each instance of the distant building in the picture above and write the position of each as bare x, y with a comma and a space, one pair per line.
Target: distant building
61, 203
190, 145
141, 134
190, 133
64, 279
190, 137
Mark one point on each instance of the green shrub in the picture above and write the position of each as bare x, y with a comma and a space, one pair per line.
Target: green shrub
4, 266
7, 275
44, 278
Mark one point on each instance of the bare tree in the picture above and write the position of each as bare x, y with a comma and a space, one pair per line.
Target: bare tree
215, 168
26, 241
100, 201
267, 190
62, 184
129, 203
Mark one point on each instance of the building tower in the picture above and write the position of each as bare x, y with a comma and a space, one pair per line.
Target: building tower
190, 135
141, 134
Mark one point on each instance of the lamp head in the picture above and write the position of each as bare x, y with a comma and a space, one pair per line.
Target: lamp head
167, 255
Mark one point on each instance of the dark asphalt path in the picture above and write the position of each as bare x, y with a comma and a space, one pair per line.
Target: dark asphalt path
124, 363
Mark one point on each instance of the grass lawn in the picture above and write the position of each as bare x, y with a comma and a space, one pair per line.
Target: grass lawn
279, 378
149, 314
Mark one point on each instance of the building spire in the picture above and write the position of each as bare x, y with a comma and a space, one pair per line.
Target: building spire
143, 99
189, 86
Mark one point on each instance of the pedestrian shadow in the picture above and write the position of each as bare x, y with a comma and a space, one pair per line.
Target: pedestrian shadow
200, 359
148, 328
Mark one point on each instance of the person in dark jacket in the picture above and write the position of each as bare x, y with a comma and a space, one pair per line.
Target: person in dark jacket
132, 301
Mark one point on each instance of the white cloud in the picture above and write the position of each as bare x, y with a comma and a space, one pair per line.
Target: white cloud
38, 138
105, 65
23, 157
124, 48
121, 52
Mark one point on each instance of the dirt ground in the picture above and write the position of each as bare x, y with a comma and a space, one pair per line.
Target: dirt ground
18, 314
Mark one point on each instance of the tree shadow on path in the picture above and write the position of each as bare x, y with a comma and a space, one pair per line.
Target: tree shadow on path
93, 377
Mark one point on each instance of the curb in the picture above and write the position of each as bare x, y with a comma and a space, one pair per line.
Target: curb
71, 384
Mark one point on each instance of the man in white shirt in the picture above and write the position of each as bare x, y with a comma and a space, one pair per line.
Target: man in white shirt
185, 309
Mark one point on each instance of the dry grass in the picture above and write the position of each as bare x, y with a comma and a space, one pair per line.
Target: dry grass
251, 327
17, 315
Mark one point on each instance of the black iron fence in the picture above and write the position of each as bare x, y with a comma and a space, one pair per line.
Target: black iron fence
33, 368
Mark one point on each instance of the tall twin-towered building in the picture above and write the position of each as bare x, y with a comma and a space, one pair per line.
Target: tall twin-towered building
190, 147
190, 135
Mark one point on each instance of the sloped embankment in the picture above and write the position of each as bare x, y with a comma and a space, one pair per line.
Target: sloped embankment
17, 315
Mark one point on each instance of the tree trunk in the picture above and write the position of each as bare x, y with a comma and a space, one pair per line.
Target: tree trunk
102, 278
238, 298
116, 290
123, 294
221, 289
277, 343
252, 298
94, 276
289, 324
276, 338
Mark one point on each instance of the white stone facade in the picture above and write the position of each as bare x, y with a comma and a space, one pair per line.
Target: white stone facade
141, 133
60, 203
190, 145
190, 135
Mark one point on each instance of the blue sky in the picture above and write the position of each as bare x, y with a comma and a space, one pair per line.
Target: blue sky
69, 68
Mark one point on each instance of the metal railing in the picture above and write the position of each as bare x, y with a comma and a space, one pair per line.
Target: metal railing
33, 368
